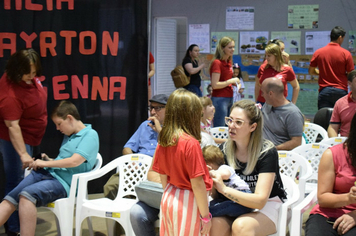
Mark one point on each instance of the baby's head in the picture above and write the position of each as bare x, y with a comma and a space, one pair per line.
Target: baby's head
213, 156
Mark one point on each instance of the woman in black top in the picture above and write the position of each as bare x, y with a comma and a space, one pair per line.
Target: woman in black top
255, 160
192, 69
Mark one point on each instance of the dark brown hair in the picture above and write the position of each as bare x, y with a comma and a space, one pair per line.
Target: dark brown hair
19, 64
350, 142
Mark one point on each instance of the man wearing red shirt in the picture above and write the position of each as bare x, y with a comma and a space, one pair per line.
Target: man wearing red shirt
344, 110
334, 63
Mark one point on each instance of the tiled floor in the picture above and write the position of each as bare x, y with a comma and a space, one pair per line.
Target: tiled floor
46, 225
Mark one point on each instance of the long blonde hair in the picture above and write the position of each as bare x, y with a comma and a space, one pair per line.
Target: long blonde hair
183, 113
256, 146
275, 50
219, 53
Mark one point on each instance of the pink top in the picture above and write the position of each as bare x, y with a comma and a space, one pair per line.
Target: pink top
345, 176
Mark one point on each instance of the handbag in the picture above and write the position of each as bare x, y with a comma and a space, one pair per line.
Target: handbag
179, 77
150, 193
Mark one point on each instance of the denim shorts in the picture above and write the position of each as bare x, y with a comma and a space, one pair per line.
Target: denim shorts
40, 187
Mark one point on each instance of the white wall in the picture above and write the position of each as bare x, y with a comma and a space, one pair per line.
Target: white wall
269, 15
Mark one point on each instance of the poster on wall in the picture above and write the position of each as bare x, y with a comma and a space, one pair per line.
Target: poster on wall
253, 42
352, 42
199, 35
93, 53
303, 16
240, 18
315, 40
216, 36
291, 40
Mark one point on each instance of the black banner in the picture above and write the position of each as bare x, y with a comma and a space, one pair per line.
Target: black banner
93, 53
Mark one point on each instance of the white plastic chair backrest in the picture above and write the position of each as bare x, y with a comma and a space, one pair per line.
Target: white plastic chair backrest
220, 132
312, 131
293, 196
74, 183
296, 167
312, 152
334, 140
133, 169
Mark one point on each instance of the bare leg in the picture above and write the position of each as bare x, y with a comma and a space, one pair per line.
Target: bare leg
6, 209
28, 217
221, 226
254, 223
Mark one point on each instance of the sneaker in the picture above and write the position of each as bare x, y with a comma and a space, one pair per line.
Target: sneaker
9, 233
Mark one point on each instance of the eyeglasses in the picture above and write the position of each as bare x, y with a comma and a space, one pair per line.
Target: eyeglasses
157, 108
237, 123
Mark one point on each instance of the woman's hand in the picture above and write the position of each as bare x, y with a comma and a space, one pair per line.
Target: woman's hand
352, 195
234, 81
218, 181
345, 222
26, 160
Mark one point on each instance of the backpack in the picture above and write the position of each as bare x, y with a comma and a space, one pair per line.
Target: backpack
179, 77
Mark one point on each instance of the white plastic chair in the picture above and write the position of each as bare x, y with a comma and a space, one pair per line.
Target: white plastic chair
333, 141
312, 152
295, 166
63, 208
133, 169
312, 131
298, 211
292, 197
220, 132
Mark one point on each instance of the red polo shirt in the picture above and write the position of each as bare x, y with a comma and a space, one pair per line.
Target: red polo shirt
225, 70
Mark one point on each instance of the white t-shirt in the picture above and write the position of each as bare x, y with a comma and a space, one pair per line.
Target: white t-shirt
234, 181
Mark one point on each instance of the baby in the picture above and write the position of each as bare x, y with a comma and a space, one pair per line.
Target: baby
220, 205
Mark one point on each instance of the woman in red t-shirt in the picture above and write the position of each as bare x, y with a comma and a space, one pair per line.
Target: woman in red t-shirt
275, 67
23, 118
221, 79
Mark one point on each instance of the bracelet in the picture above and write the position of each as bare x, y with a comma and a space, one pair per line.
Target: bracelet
206, 220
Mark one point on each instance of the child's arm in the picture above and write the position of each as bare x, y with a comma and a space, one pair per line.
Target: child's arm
201, 197
163, 180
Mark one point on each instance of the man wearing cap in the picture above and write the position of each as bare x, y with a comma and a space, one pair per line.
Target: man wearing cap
143, 141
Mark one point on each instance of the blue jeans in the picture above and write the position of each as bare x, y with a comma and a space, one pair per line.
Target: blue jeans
223, 207
222, 109
14, 175
328, 96
40, 187
194, 89
143, 219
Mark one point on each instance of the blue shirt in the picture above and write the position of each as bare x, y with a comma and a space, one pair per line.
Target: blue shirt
84, 143
144, 140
